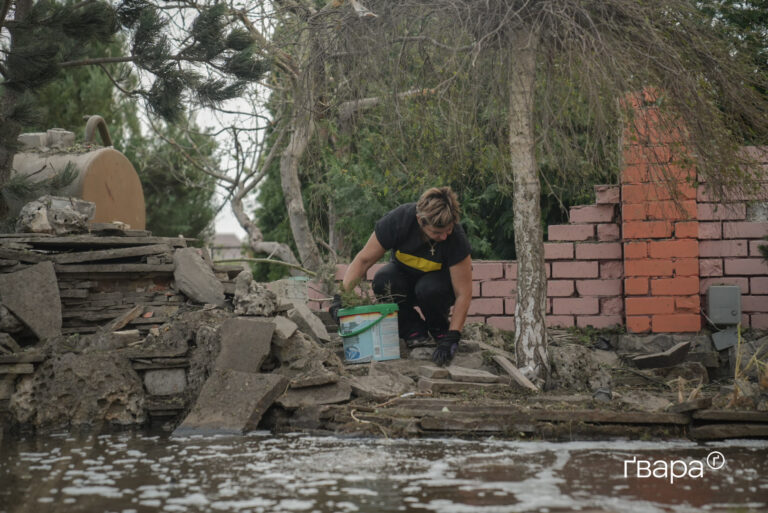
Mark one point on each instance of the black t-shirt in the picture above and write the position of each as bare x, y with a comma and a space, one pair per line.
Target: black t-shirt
399, 231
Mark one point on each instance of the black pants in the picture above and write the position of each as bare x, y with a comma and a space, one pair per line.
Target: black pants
431, 292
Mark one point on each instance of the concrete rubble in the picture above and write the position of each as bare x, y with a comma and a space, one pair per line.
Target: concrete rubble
55, 215
140, 340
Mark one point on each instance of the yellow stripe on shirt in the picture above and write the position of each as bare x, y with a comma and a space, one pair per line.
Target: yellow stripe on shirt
422, 264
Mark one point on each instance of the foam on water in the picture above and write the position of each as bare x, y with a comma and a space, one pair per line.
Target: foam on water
262, 472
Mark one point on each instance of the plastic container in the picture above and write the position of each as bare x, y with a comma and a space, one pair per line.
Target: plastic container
370, 333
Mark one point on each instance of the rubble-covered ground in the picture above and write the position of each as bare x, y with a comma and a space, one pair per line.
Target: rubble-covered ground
133, 331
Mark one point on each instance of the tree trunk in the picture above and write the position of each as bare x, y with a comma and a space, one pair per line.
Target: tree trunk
256, 238
530, 327
10, 127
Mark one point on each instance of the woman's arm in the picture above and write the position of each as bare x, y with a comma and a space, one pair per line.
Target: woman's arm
369, 255
461, 279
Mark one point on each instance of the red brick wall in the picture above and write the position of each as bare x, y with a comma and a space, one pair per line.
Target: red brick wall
729, 235
638, 257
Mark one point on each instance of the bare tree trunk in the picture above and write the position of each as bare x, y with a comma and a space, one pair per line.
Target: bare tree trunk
301, 131
530, 327
256, 238
8, 99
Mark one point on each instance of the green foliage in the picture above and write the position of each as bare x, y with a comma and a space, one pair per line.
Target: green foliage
178, 196
25, 187
764, 250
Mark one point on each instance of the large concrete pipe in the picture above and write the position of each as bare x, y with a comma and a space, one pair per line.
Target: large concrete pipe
104, 176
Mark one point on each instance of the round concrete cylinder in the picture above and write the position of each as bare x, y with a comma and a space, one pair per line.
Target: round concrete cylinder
105, 177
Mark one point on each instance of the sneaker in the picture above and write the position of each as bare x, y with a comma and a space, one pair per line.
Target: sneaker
416, 339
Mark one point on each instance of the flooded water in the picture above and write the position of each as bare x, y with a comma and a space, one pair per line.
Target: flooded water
298, 473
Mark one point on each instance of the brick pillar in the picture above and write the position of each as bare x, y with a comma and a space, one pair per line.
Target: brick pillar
660, 230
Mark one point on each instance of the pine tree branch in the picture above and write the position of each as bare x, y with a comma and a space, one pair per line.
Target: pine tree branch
190, 158
282, 59
95, 61
116, 83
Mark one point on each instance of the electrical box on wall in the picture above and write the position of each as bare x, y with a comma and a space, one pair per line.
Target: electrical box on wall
724, 304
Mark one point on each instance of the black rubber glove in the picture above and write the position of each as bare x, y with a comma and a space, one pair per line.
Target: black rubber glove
447, 345
335, 307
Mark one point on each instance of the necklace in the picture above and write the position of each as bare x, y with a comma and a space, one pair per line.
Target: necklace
431, 247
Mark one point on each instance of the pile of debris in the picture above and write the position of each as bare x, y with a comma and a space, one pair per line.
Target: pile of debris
116, 327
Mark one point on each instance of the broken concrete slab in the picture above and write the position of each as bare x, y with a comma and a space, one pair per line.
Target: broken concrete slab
32, 295
466, 375
55, 215
245, 344
574, 367
308, 322
284, 328
314, 378
645, 343
326, 394
443, 386
431, 371
165, 381
195, 279
252, 298
231, 402
672, 356
380, 387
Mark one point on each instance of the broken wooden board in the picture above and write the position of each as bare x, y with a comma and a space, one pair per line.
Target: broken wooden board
110, 254
160, 363
23, 256
123, 320
442, 386
93, 241
17, 368
732, 415
487, 424
514, 372
22, 358
693, 405
114, 268
722, 431
232, 402
672, 356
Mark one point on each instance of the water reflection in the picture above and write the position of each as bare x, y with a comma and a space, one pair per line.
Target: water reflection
265, 473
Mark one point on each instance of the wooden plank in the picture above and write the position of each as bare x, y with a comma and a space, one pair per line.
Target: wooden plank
722, 431
160, 363
110, 254
22, 358
732, 415
114, 268
23, 256
514, 372
73, 293
688, 406
490, 424
17, 368
9, 263
609, 417
96, 241
442, 386
121, 321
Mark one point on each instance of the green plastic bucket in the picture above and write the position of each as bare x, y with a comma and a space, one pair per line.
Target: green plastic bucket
369, 333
